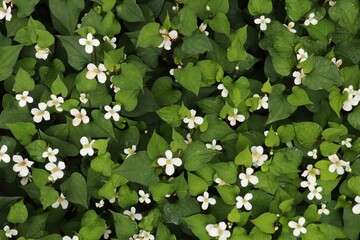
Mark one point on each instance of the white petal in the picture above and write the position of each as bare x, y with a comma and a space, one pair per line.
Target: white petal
169, 169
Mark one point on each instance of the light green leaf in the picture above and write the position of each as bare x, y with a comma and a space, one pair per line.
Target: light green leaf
295, 10
265, 222
23, 131
354, 118
103, 164
149, 36
197, 224
157, 146
189, 77
18, 213
36, 149
298, 97
48, 196
163, 91
220, 23
127, 197
197, 185
354, 184
259, 7
307, 133
23, 81
75, 190
125, 227
185, 21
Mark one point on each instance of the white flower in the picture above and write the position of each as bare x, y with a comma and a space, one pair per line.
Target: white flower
115, 195
26, 179
308, 184
302, 55
298, 76
3, 156
298, 226
332, 3
193, 119
111, 41
220, 182
21, 165
312, 153
311, 173
288, 144
347, 142
144, 235
262, 21
112, 112
41, 53
69, 238
257, 155
40, 113
248, 177
132, 214
61, 200
356, 207
144, 197
89, 43
169, 162
100, 204
24, 98
167, 38
337, 164
352, 100
55, 101
323, 210
206, 200
10, 232
290, 27
311, 20
224, 92
218, 230
235, 117
171, 71
107, 233
202, 28
130, 151
5, 12
98, 72
79, 116
83, 99
50, 154
314, 192
55, 170
86, 147
244, 201
188, 139
263, 101
213, 145
337, 62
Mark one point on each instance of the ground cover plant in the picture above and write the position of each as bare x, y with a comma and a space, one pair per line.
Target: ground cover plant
191, 119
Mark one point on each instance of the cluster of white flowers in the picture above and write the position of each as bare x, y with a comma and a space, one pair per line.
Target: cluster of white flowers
22, 165
235, 117
40, 113
111, 41
302, 55
219, 181
79, 116
262, 21
168, 37
206, 200
169, 162
353, 98
356, 207
337, 62
218, 230
298, 226
70, 238
338, 165
51, 166
298, 75
258, 158
310, 173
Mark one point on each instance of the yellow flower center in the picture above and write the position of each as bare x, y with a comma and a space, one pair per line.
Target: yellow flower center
54, 170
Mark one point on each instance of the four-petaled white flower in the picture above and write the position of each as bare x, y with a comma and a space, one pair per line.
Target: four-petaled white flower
24, 98
130, 151
98, 72
213, 145
290, 27
218, 230
202, 28
311, 20
356, 207
352, 100
100, 204
308, 184
50, 154
298, 75
167, 38
89, 42
248, 177
70, 238
298, 226
337, 164
55, 170
169, 162
224, 92
111, 41
112, 112
312, 153
263, 101
132, 214
323, 210
144, 197
10, 232
262, 21
193, 119
79, 116
314, 192
257, 155
337, 62
21, 165
244, 201
5, 12
3, 156
302, 55
144, 235
56, 102
206, 200
236, 117
347, 142
41, 53
86, 147
310, 173
83, 99
40, 113
61, 200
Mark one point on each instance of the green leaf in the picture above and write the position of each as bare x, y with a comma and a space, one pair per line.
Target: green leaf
163, 91
101, 145
259, 7
25, 8
337, 100
322, 30
220, 23
295, 10
40, 177
307, 133
185, 21
18, 213
354, 184
197, 224
272, 139
149, 36
345, 12
244, 158
58, 87
228, 193
103, 164
354, 118
109, 25
265, 222
170, 115
351, 222
237, 51
197, 185
138, 168
23, 81
267, 182
125, 227
298, 97
48, 196
35, 149
159, 191
163, 233
286, 160
102, 123
196, 155
34, 227
129, 11
189, 77
157, 146
175, 212
8, 58
311, 214
75, 190
227, 171
77, 57
65, 148
197, 43
127, 197
22, 131
107, 5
